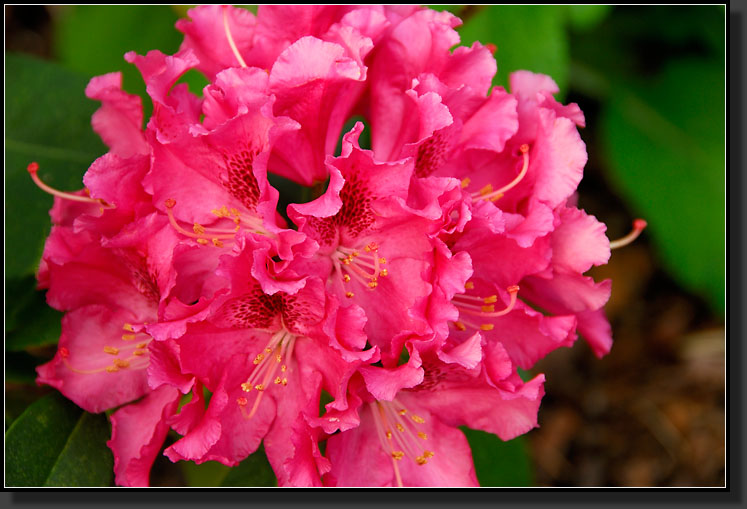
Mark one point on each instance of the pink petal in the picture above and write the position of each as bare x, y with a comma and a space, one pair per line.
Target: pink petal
138, 432
119, 120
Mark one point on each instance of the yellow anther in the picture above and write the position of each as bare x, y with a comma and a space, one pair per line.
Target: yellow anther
278, 358
428, 454
241, 401
259, 359
139, 352
346, 261
141, 345
487, 189
112, 369
346, 278
283, 368
111, 349
422, 435
373, 284
400, 428
491, 299
268, 349
384, 273
417, 419
128, 337
382, 260
355, 254
496, 197
285, 381
488, 309
402, 412
217, 243
465, 182
121, 363
202, 242
246, 387
469, 285
128, 327
198, 229
389, 434
486, 326
460, 326
398, 455
278, 380
421, 460
234, 212
349, 295
259, 387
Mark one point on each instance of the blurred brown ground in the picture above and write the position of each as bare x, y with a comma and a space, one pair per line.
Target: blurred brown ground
651, 413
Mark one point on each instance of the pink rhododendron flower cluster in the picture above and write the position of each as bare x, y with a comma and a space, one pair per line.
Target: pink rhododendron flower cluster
407, 290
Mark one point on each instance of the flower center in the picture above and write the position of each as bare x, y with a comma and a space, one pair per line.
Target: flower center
363, 267
482, 307
133, 355
277, 354
400, 434
487, 192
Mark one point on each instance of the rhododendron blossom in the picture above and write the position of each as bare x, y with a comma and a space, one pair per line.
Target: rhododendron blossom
405, 294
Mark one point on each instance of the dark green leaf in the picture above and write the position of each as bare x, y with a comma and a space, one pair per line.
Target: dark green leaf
20, 367
48, 120
531, 37
113, 28
666, 146
499, 463
55, 443
37, 325
253, 471
584, 17
85, 460
19, 294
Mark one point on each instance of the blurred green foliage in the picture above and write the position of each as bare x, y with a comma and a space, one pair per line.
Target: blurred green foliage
655, 74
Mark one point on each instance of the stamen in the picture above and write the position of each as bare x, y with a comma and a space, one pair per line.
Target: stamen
351, 264
280, 346
390, 415
638, 227
485, 311
202, 235
230, 38
486, 193
33, 169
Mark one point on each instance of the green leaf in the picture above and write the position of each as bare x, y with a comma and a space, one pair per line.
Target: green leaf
20, 367
531, 37
499, 463
666, 147
253, 471
55, 443
584, 17
48, 120
37, 324
22, 292
116, 29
